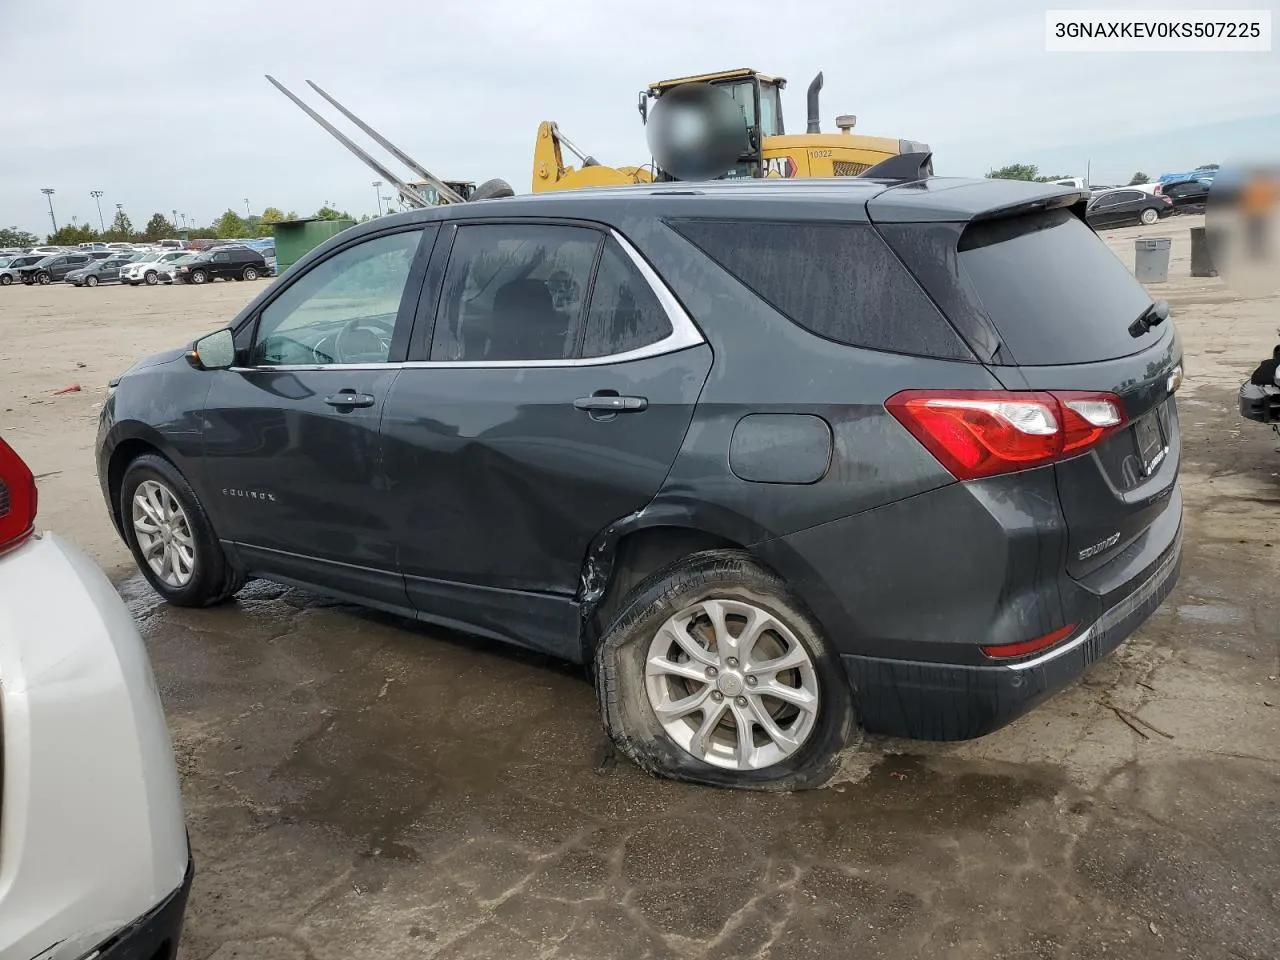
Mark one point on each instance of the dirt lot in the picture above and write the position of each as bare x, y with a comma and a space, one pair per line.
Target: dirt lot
358, 786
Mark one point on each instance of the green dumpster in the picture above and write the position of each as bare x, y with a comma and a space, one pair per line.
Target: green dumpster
295, 238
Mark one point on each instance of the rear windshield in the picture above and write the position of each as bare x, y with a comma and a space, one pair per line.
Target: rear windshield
1054, 291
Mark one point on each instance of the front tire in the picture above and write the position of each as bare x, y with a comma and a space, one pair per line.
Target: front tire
1150, 216
90, 281
151, 278
170, 536
198, 276
5, 280
713, 673
44, 279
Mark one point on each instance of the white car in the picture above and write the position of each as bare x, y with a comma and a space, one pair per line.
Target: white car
150, 270
94, 860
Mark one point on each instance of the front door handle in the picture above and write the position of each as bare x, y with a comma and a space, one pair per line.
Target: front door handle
612, 404
350, 399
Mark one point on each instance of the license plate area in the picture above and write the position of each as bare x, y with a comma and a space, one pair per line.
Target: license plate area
1148, 435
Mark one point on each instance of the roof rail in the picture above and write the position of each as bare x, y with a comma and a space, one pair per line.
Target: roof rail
904, 167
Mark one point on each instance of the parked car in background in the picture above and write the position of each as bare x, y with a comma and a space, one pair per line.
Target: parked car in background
170, 267
1260, 394
100, 271
11, 270
120, 246
53, 269
96, 861
778, 459
1117, 208
47, 251
223, 263
1188, 196
151, 268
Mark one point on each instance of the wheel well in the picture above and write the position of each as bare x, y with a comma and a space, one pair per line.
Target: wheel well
124, 454
639, 554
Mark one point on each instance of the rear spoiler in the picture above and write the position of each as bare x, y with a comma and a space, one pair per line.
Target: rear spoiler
1077, 202
902, 168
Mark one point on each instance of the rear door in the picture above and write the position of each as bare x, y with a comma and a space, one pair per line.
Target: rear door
1063, 305
551, 384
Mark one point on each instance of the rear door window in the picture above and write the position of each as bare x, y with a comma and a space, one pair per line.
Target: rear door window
624, 314
1053, 290
514, 292
838, 280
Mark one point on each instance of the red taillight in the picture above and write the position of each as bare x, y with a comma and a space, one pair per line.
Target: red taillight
1166, 199
1008, 651
17, 499
980, 433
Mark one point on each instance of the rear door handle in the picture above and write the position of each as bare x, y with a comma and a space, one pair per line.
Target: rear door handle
350, 400
612, 404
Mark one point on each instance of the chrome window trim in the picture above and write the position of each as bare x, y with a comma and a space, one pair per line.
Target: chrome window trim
684, 334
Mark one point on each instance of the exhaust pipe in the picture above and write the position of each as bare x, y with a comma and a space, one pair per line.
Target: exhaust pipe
815, 118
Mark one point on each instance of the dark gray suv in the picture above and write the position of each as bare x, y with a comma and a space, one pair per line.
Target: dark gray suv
776, 458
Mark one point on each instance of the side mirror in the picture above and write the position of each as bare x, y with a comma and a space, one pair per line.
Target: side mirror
216, 351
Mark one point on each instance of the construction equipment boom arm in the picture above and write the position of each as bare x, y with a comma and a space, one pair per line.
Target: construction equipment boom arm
446, 191
406, 191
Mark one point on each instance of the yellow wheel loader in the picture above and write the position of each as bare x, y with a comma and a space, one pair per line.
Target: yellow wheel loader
769, 150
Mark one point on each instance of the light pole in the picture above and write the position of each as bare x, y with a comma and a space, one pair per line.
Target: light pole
48, 192
175, 219
97, 198
377, 194
246, 207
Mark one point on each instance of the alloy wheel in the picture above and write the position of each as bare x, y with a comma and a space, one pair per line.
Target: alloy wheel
164, 533
732, 685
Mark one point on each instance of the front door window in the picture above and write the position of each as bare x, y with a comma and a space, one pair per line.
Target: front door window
343, 310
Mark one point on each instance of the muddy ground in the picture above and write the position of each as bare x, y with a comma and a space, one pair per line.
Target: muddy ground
357, 786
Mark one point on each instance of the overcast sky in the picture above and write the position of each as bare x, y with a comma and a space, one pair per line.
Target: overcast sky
164, 106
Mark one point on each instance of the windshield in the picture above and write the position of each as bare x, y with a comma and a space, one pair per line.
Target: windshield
1053, 289
743, 94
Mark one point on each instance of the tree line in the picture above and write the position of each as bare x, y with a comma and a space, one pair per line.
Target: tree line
1029, 171
229, 226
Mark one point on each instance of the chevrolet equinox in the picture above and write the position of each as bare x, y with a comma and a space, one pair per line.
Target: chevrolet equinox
776, 459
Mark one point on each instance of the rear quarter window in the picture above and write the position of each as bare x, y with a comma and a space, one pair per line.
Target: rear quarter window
837, 280
1053, 290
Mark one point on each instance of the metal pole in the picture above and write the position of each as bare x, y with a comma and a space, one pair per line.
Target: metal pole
377, 194
97, 198
48, 192
246, 207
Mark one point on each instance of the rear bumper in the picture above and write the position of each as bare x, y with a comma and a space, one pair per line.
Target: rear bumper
155, 935
1259, 403
937, 701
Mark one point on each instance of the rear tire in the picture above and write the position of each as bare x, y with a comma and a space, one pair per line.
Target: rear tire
209, 578
1150, 216
802, 750
250, 273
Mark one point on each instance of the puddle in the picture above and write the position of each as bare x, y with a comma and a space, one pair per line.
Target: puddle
1211, 613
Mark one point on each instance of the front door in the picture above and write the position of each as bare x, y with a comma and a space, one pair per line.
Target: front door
291, 437
551, 393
